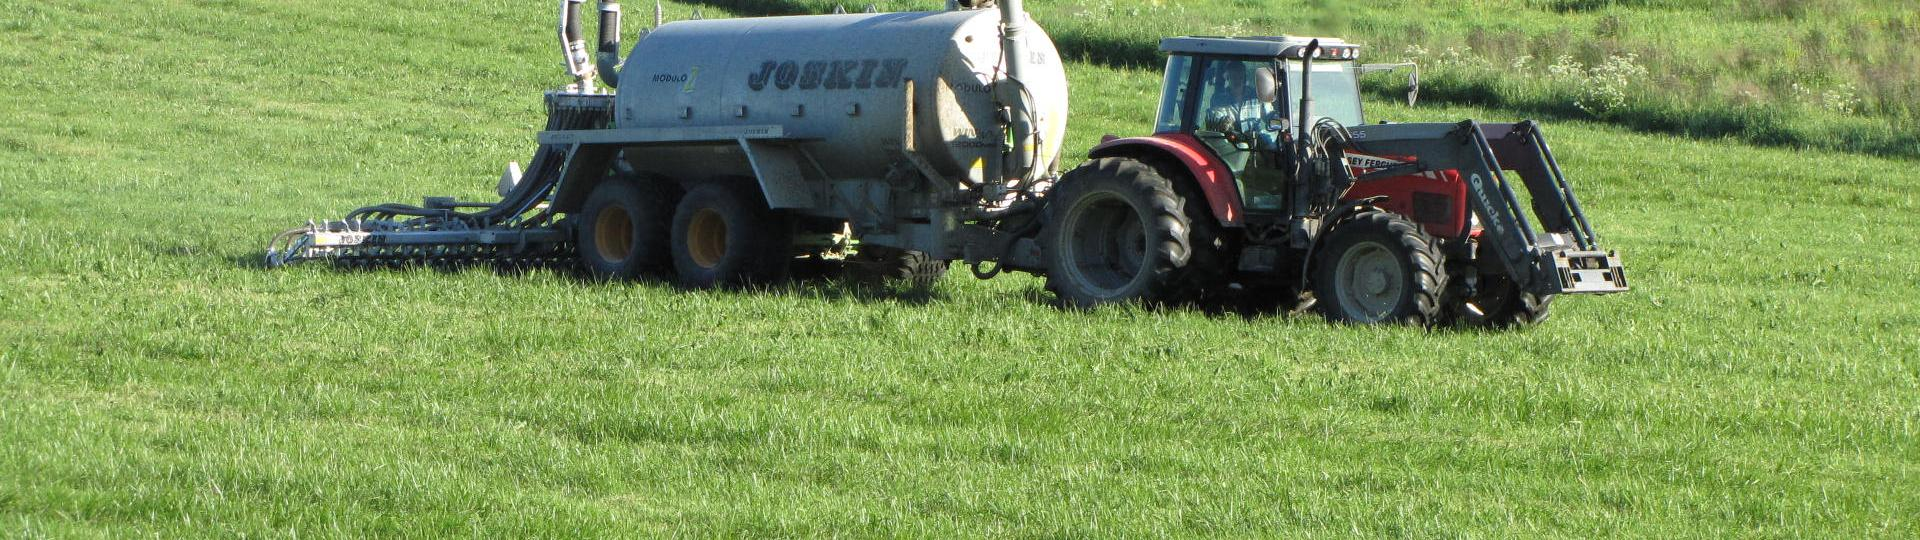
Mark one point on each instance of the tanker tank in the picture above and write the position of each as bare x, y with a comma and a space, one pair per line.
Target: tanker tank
839, 83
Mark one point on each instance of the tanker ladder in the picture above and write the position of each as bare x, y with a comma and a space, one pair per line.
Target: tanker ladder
517, 231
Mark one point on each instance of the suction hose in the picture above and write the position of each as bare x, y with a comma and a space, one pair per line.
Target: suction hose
607, 58
574, 46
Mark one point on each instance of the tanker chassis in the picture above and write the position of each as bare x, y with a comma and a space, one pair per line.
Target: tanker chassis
731, 152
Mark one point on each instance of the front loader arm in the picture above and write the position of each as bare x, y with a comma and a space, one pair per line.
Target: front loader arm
1562, 256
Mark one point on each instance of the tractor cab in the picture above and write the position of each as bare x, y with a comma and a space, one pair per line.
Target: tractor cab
1244, 86
1240, 97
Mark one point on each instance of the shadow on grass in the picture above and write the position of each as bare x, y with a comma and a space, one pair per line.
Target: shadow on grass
819, 284
832, 288
1214, 307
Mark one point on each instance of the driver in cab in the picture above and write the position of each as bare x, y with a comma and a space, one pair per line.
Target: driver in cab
1239, 107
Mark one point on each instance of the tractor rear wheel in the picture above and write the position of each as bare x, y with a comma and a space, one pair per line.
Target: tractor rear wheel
622, 229
1501, 304
1115, 232
1379, 267
724, 234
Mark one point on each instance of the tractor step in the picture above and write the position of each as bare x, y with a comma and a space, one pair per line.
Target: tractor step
1590, 272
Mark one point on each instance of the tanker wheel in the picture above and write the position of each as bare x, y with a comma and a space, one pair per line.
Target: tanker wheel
1379, 267
882, 265
1115, 232
724, 234
622, 228
1501, 304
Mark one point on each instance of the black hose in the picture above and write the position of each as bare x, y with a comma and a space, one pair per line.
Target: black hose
542, 174
572, 22
607, 58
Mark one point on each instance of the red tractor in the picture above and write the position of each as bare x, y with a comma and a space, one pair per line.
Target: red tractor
1262, 184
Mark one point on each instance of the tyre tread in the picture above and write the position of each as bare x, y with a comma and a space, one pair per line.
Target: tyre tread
1169, 233
1426, 262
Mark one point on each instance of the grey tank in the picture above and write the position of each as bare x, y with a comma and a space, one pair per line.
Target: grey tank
839, 81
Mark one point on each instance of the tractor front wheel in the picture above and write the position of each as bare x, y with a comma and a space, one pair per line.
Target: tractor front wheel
1115, 232
724, 234
1379, 267
1499, 303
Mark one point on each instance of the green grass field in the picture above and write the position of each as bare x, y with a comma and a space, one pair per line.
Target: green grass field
1763, 378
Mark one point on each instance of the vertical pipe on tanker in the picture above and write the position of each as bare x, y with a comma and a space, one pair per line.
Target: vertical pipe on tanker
607, 58
1014, 96
574, 46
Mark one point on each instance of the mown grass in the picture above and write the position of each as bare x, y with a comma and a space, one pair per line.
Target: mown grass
1830, 74
1760, 381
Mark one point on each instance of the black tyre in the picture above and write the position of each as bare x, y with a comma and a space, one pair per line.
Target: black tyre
724, 234
622, 229
1379, 267
881, 265
1205, 276
1499, 303
1115, 232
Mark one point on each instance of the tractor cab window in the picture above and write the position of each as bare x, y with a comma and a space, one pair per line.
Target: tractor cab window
1237, 97
1173, 96
1336, 91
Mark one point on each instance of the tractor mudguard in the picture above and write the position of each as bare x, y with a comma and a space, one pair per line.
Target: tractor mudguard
1345, 209
1214, 178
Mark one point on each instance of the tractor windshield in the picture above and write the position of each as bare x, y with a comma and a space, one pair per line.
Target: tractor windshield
1336, 92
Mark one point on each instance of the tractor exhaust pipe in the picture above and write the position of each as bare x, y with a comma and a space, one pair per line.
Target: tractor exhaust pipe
1306, 96
607, 58
1013, 25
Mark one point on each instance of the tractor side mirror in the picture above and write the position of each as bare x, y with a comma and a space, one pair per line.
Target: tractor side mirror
1413, 78
1413, 85
1266, 84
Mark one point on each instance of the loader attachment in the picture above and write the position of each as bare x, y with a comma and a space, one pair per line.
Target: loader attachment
1544, 245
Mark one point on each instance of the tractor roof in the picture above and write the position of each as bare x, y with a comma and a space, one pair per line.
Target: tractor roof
1262, 46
